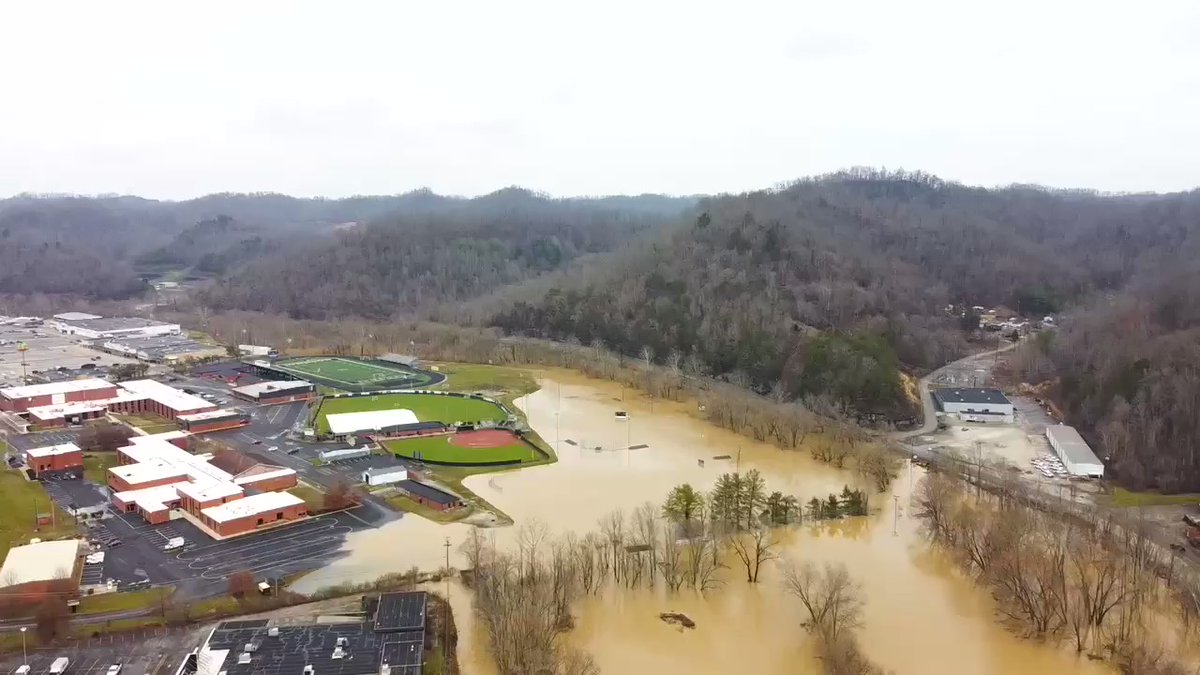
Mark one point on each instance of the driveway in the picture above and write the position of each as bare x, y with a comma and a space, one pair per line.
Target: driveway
930, 411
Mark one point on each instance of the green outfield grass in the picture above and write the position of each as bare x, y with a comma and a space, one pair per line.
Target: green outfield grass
439, 449
427, 408
350, 372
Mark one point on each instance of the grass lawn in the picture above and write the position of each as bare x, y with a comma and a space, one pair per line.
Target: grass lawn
351, 372
313, 498
151, 424
1122, 498
439, 449
117, 626
402, 503
122, 602
427, 408
17, 513
472, 377
96, 465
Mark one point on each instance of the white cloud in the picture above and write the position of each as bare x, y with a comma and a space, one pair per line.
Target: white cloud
171, 100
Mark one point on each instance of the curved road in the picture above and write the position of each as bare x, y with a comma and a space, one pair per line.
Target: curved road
930, 412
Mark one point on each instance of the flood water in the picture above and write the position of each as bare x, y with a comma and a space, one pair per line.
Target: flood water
920, 615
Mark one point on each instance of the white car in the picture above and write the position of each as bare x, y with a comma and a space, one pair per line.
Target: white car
114, 669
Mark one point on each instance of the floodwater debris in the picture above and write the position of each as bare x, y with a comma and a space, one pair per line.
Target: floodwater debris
677, 619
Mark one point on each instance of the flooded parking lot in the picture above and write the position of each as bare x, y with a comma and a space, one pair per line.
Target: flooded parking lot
921, 616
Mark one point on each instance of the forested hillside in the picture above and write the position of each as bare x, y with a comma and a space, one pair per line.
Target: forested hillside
825, 287
211, 246
419, 259
100, 247
1127, 371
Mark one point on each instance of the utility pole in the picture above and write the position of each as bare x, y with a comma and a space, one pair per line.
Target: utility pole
446, 612
895, 514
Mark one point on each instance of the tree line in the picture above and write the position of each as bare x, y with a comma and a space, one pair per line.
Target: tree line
1088, 580
833, 285
1125, 371
524, 597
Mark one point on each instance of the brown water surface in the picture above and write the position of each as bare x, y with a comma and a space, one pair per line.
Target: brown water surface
920, 617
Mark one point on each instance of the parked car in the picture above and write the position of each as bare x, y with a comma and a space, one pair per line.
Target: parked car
113, 543
114, 669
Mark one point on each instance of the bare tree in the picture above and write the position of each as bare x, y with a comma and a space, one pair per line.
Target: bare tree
833, 600
754, 547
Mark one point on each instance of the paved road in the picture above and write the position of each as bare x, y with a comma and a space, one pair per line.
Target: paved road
930, 411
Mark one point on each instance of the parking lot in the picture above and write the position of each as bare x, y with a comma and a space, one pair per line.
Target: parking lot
154, 652
43, 439
48, 350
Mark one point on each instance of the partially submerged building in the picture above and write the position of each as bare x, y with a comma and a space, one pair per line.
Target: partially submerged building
428, 495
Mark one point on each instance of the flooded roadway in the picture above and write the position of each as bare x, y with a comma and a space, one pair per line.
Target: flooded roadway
920, 615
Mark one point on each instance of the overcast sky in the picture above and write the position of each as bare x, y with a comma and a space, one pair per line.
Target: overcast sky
173, 100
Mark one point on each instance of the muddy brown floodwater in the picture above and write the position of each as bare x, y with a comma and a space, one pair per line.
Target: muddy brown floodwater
921, 616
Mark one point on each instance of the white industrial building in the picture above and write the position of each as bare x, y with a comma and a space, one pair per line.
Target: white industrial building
111, 327
40, 561
384, 475
1074, 452
975, 404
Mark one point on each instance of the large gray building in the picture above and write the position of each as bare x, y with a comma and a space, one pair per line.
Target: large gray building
975, 404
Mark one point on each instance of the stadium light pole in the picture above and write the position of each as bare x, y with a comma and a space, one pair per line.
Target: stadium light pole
446, 612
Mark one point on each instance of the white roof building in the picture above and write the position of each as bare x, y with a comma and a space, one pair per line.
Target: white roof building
259, 388
76, 316
52, 388
371, 420
52, 450
1075, 453
193, 476
170, 397
42, 561
251, 506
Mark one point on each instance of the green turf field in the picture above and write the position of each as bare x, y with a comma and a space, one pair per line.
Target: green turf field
351, 372
439, 449
427, 408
